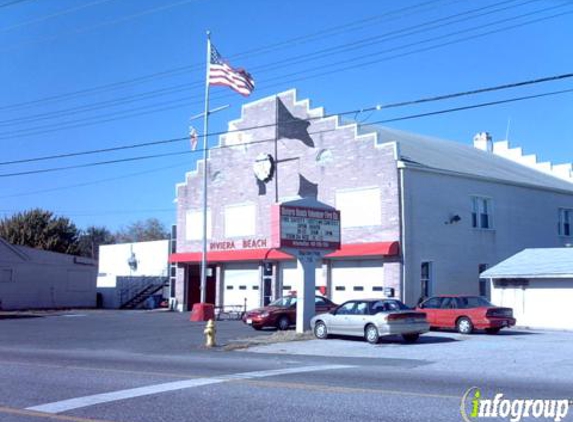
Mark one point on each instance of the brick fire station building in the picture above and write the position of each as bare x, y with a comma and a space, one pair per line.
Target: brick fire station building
419, 215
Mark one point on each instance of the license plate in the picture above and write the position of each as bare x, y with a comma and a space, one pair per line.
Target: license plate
249, 321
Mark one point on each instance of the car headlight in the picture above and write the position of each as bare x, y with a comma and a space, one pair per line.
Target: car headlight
264, 314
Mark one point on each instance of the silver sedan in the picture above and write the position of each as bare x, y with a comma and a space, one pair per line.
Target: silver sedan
371, 318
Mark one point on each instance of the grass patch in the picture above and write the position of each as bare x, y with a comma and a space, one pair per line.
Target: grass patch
278, 337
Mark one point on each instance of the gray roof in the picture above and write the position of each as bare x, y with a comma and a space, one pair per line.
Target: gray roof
535, 263
429, 152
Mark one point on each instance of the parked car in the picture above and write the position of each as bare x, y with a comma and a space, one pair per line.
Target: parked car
282, 312
371, 319
466, 313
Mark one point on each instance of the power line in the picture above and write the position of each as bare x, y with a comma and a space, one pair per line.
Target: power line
321, 73
96, 182
93, 27
248, 53
106, 212
414, 116
11, 3
266, 67
54, 15
442, 97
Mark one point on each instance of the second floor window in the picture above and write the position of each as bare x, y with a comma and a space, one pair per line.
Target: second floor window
482, 217
565, 217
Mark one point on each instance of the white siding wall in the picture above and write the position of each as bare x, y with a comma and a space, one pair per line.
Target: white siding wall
523, 218
151, 261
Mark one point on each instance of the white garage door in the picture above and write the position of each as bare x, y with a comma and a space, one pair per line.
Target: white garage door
240, 283
544, 303
357, 279
292, 276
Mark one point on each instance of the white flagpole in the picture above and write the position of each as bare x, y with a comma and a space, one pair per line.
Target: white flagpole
205, 146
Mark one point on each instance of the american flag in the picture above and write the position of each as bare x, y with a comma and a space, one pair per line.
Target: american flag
220, 73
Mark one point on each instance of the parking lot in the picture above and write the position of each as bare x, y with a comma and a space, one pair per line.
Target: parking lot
123, 366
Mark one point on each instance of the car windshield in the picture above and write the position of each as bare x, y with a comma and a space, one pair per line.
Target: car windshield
284, 301
473, 302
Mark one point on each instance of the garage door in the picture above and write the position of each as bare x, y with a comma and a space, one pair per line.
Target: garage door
292, 276
357, 279
242, 283
544, 303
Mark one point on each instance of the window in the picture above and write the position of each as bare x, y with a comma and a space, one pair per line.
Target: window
360, 207
449, 303
565, 217
358, 288
255, 287
377, 288
482, 217
319, 301
346, 309
361, 308
230, 287
340, 288
426, 279
472, 302
240, 220
287, 287
433, 303
242, 287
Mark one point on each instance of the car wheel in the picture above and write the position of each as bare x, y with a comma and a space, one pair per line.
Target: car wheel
320, 330
283, 323
464, 325
410, 338
371, 334
492, 330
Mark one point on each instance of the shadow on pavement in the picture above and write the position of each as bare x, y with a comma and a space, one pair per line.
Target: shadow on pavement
15, 316
396, 339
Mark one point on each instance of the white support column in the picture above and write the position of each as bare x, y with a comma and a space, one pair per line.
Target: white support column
305, 307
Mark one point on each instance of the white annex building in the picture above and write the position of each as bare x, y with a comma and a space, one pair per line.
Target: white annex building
129, 273
419, 215
37, 279
538, 285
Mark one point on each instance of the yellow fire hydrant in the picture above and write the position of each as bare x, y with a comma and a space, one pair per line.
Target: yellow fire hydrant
209, 332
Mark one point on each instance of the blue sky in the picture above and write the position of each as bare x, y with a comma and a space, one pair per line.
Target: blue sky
92, 74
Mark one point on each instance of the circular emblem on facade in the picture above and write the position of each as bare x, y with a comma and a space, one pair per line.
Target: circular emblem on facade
264, 167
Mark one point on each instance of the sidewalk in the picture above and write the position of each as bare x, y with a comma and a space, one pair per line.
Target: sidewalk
523, 353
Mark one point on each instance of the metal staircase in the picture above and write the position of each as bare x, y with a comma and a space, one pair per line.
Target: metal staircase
137, 297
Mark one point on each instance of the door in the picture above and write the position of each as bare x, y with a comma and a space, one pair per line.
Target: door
355, 322
447, 315
357, 279
291, 276
431, 307
241, 286
339, 319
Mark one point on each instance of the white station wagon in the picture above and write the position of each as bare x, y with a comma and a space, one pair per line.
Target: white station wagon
371, 319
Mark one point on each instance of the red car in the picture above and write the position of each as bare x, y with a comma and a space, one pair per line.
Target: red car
282, 313
466, 313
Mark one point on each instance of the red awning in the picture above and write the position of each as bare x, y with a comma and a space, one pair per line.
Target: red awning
350, 250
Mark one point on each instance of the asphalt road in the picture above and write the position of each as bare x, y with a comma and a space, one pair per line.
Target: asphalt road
150, 367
